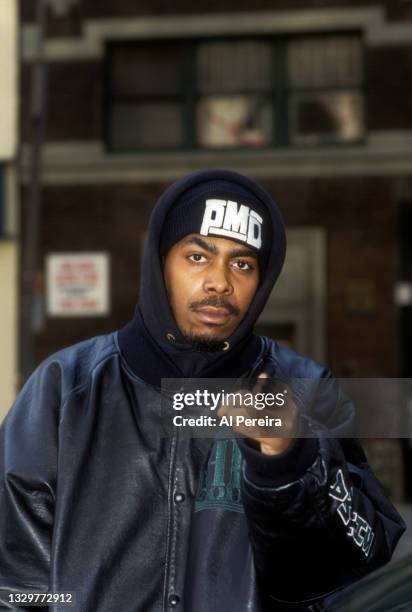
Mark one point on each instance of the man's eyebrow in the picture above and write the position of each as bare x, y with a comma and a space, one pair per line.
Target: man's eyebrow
244, 253
211, 248
203, 244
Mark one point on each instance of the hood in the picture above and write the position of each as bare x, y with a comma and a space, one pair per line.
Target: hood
153, 317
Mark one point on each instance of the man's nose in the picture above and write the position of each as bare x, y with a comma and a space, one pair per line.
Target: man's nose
217, 281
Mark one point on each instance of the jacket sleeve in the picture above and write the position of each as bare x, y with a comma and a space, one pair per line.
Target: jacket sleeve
28, 457
318, 518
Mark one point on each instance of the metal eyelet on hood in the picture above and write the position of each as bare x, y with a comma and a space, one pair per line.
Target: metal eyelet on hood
171, 337
226, 346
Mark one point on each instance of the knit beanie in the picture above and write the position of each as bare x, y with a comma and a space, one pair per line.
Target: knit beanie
220, 208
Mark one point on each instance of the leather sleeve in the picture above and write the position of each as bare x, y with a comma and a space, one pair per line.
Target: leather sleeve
318, 533
28, 458
318, 517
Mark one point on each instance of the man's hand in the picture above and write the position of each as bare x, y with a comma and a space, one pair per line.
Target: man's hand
268, 445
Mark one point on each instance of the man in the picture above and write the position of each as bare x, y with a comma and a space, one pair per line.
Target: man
94, 500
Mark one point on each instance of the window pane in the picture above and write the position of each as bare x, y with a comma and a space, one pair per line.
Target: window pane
150, 125
230, 121
328, 61
146, 70
328, 117
234, 66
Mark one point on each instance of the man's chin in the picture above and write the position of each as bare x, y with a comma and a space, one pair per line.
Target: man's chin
204, 343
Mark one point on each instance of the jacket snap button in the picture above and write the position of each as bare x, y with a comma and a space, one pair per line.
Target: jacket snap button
179, 497
174, 599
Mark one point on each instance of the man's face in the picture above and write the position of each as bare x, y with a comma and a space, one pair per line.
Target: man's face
210, 284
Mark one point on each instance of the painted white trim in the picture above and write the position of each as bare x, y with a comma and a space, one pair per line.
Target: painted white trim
95, 32
386, 153
390, 34
400, 140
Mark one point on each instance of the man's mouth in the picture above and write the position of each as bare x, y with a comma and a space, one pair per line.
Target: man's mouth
213, 315
214, 311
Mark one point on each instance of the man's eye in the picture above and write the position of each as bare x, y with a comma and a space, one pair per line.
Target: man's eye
243, 265
197, 257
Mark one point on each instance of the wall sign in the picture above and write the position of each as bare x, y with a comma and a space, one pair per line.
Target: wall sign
77, 284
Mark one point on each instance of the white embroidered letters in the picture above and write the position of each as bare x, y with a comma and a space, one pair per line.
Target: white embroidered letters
358, 528
231, 220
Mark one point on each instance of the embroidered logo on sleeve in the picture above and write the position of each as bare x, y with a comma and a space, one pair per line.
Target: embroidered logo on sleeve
358, 528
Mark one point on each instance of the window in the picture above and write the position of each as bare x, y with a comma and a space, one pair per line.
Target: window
234, 94
325, 95
239, 93
147, 96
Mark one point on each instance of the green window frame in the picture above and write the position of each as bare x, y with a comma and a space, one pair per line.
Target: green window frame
234, 93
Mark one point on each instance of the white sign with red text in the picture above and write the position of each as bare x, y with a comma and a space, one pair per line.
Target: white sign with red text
77, 284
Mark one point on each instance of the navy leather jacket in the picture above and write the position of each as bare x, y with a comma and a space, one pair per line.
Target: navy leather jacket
93, 500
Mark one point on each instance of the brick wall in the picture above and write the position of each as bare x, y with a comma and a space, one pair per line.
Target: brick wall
75, 101
359, 216
388, 90
360, 220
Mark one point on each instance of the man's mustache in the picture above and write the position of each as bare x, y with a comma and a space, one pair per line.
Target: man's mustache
216, 301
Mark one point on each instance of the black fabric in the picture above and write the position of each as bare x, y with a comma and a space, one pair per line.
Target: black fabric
95, 500
88, 498
186, 215
153, 318
151, 363
278, 470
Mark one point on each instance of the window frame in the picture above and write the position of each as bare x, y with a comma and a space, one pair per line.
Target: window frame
189, 95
